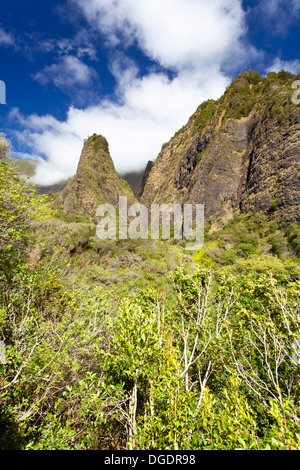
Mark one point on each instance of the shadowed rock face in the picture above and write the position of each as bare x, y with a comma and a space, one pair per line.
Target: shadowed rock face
273, 177
242, 151
190, 161
137, 179
220, 175
95, 182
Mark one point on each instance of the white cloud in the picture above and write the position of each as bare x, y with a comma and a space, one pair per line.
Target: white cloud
6, 39
193, 38
176, 33
292, 66
66, 73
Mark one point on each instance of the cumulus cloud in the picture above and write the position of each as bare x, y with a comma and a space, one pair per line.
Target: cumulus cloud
191, 41
176, 33
68, 72
292, 66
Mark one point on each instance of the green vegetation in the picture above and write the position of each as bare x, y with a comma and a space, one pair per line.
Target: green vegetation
251, 90
206, 110
136, 344
99, 143
248, 235
243, 94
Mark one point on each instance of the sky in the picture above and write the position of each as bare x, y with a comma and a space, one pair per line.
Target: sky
133, 71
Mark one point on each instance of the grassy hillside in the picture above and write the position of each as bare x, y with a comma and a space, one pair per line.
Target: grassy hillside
139, 344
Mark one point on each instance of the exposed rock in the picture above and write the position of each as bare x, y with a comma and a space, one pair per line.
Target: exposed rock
220, 175
242, 151
35, 256
190, 161
145, 176
273, 177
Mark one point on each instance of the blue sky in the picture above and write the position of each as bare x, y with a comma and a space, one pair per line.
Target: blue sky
131, 70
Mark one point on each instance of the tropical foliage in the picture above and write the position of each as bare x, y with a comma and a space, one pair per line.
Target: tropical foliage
207, 359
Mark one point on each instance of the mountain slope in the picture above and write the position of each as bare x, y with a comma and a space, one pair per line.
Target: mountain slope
95, 182
242, 151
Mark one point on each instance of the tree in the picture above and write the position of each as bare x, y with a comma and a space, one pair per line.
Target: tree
134, 357
17, 204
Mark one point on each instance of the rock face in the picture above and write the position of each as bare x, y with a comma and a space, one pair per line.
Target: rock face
242, 151
273, 174
95, 182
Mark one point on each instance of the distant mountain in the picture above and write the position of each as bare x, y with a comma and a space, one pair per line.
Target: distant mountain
26, 168
137, 179
53, 188
241, 151
23, 166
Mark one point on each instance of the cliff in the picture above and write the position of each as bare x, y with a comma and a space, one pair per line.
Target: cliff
239, 152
